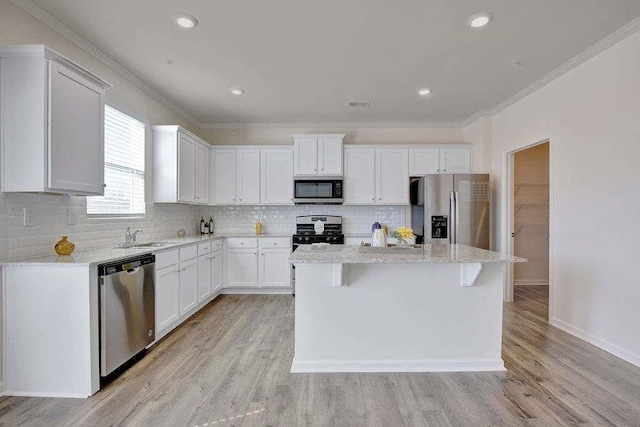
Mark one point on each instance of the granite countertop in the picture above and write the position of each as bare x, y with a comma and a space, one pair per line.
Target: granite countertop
104, 255
431, 254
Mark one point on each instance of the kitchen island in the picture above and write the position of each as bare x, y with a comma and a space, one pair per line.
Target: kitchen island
434, 309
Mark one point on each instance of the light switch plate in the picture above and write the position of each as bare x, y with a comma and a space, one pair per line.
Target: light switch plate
27, 217
72, 217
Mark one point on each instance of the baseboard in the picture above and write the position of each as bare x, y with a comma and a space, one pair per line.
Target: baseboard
46, 394
622, 353
1, 388
530, 283
412, 365
255, 291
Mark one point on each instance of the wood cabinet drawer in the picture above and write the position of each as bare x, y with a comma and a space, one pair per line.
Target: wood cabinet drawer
242, 242
188, 252
166, 259
274, 242
204, 248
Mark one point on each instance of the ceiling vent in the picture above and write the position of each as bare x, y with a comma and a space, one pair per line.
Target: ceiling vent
359, 104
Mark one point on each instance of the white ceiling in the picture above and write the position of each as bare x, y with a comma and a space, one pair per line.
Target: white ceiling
301, 61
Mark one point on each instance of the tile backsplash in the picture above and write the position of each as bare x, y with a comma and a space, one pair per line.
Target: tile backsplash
357, 220
161, 221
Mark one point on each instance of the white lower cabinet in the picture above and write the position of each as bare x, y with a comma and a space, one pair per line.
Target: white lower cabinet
216, 271
185, 280
255, 263
167, 287
274, 270
241, 268
188, 286
204, 277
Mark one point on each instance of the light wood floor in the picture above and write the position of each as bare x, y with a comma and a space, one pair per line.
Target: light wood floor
233, 360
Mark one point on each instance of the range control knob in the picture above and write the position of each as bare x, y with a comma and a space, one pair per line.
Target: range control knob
306, 239
328, 239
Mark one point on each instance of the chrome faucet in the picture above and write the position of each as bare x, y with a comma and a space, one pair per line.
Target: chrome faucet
130, 238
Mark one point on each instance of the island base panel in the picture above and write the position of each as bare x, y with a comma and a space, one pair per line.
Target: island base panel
398, 318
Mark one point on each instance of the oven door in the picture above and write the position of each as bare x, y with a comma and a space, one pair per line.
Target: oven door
317, 191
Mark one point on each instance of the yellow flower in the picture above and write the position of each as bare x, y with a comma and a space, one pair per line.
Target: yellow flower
405, 232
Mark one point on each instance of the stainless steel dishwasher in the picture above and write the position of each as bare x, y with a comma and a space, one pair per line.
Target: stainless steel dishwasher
127, 310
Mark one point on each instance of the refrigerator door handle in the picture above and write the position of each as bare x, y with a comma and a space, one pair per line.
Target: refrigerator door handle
452, 219
457, 203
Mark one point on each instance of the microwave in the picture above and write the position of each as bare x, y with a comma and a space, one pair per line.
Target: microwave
317, 191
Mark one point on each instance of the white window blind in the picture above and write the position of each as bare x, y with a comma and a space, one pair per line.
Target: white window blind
123, 167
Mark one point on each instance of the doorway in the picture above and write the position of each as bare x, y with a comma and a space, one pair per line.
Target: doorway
529, 220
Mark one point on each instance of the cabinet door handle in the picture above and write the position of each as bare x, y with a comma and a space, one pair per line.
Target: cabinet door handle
373, 198
178, 271
255, 253
438, 170
444, 170
104, 185
275, 243
322, 169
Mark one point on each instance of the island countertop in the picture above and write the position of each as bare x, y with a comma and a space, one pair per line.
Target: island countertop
431, 254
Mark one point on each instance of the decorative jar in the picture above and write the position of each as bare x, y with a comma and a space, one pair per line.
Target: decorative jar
64, 246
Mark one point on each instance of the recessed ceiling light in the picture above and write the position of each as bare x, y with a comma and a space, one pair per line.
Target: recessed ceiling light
186, 21
236, 91
479, 20
424, 91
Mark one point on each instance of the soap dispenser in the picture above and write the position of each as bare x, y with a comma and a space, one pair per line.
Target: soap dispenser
258, 227
378, 236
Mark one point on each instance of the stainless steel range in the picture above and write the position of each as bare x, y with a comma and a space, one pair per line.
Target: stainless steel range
306, 233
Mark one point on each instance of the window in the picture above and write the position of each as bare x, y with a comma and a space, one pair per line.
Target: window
123, 167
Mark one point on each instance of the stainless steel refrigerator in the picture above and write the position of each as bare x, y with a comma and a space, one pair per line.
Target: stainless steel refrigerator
451, 209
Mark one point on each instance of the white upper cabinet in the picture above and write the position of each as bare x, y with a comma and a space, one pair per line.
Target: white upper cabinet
359, 176
423, 161
427, 160
276, 176
236, 176
318, 155
202, 174
455, 160
180, 166
330, 155
52, 123
223, 162
392, 176
248, 177
376, 176
186, 161
305, 155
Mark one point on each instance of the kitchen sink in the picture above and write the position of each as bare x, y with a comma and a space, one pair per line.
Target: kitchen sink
146, 245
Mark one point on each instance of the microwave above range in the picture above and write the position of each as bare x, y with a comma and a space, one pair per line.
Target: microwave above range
317, 191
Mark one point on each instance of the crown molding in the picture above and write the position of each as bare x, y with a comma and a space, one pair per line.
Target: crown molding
50, 21
331, 126
604, 44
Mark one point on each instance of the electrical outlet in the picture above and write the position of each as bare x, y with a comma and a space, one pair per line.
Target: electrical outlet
27, 217
72, 217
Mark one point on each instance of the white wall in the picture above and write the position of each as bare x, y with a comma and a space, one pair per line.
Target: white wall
591, 114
